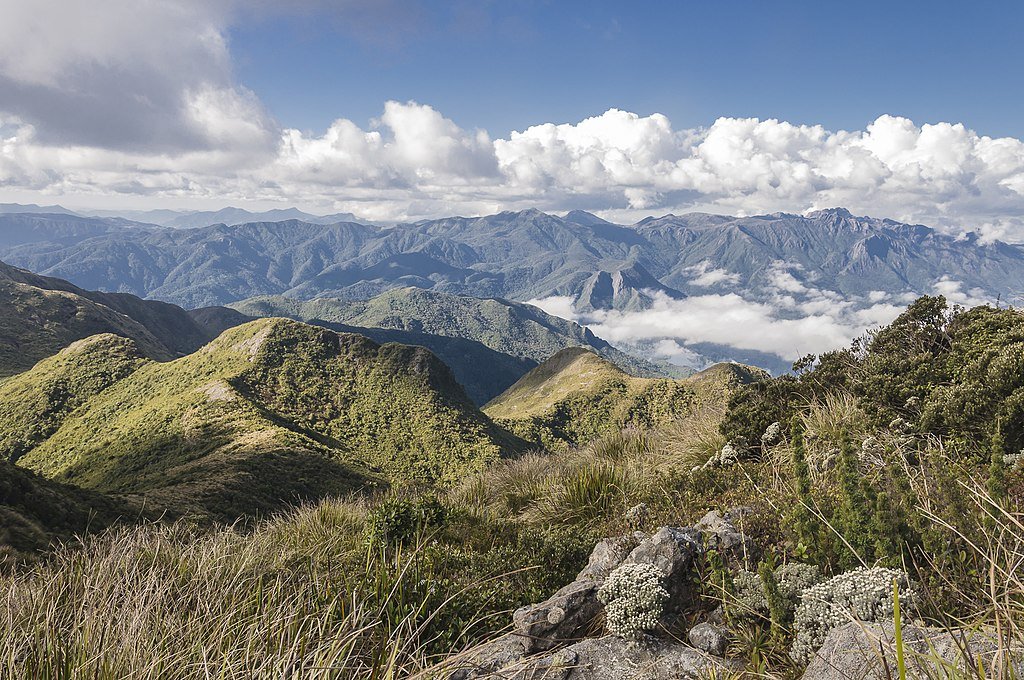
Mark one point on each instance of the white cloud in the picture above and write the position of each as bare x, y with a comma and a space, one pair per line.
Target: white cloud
670, 325
729, 320
559, 305
148, 107
954, 292
707, 275
788, 318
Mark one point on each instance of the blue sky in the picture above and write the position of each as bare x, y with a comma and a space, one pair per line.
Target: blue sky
508, 65
409, 109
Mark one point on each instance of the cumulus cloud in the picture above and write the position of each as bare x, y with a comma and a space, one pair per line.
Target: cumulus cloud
122, 74
88, 108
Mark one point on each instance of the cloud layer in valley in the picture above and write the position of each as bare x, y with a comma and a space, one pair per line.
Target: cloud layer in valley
88, 110
787, 318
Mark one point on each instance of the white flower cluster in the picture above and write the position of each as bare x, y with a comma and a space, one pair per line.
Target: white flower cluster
864, 594
872, 452
1011, 460
899, 425
793, 579
772, 434
634, 599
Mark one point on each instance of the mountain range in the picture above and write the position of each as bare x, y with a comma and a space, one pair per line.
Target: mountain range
515, 255
186, 219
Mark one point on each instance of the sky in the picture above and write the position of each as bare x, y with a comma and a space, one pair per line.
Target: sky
404, 109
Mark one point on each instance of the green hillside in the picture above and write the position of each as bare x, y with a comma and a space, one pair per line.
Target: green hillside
488, 343
269, 413
36, 512
577, 396
40, 315
34, 404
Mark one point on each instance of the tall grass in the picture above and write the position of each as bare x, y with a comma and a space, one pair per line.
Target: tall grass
297, 599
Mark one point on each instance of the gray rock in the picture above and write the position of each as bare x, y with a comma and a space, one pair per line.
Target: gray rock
868, 652
608, 554
567, 616
722, 534
611, 658
672, 550
483, 661
709, 638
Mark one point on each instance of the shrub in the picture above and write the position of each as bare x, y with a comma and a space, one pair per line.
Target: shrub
863, 594
398, 520
634, 599
751, 601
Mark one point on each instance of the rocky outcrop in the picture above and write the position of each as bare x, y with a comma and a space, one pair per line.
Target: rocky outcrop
557, 639
607, 658
863, 651
721, 533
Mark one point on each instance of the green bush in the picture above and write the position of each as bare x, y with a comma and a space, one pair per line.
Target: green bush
399, 520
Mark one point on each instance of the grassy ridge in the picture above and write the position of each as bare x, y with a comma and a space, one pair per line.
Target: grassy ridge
36, 512
272, 412
521, 331
577, 396
34, 404
40, 315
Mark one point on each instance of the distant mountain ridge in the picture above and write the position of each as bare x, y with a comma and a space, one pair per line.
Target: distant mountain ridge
185, 219
515, 255
40, 315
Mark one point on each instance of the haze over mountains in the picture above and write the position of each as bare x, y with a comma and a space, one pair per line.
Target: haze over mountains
828, 274
186, 219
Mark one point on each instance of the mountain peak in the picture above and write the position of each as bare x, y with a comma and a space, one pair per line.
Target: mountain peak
585, 218
829, 212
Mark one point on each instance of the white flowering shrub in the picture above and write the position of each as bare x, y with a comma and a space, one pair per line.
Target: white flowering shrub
634, 599
864, 594
749, 599
772, 434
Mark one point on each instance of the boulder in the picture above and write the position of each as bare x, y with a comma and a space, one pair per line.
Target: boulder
566, 616
672, 550
611, 658
868, 652
721, 532
487, 659
608, 554
565, 620
709, 638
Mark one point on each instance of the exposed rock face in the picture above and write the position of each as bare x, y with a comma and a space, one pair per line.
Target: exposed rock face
553, 639
609, 658
572, 613
722, 534
672, 551
868, 652
566, 616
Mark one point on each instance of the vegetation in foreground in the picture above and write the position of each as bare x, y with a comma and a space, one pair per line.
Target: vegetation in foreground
898, 452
